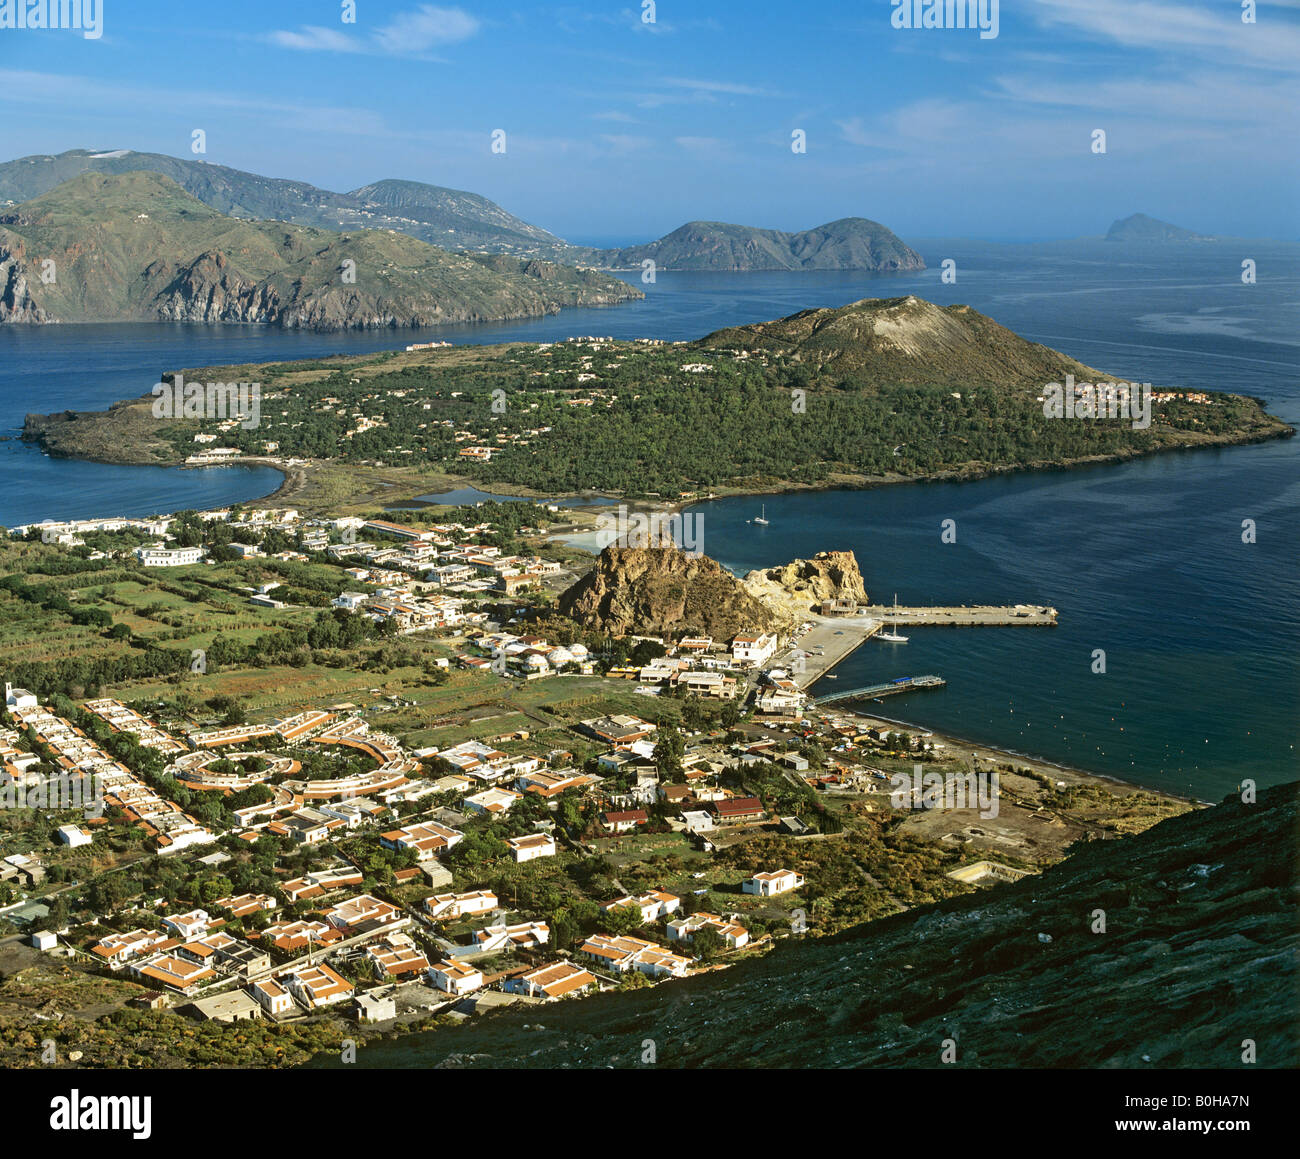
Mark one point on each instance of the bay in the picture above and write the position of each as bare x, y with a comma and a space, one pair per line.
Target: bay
1144, 560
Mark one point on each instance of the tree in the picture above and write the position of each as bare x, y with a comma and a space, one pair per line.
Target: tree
706, 943
623, 919
669, 749
645, 651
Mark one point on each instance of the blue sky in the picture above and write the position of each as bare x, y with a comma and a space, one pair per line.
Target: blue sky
621, 130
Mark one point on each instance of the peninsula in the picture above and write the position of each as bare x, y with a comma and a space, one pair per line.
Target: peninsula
877, 391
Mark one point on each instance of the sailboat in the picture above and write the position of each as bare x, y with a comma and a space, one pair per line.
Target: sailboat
892, 636
763, 519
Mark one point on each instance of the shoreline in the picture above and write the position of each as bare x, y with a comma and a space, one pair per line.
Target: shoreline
983, 751
298, 477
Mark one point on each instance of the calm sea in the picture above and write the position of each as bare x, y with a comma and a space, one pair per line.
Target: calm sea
1144, 560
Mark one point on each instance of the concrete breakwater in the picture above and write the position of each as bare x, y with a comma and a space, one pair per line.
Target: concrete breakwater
978, 615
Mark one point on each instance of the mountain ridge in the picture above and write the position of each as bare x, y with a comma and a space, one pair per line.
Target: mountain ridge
449, 218
136, 246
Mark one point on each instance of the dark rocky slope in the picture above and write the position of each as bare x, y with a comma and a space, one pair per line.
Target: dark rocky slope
1199, 954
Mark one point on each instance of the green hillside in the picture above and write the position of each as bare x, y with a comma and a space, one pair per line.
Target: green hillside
138, 247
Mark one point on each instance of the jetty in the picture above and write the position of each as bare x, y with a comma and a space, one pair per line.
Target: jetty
889, 688
978, 615
835, 636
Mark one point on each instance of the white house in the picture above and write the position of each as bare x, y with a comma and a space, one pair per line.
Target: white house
492, 801
653, 905
156, 555
732, 934
191, 925
533, 846
271, 996
455, 977
771, 883
550, 982
73, 835
456, 905
350, 601
318, 986
627, 953
753, 648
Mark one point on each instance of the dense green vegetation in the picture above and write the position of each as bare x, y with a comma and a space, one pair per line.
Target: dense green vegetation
630, 418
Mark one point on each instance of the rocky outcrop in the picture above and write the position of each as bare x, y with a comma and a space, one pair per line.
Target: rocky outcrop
16, 304
802, 584
662, 591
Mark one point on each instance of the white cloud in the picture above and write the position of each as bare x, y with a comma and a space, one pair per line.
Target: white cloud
1214, 32
414, 33
426, 28
714, 86
311, 38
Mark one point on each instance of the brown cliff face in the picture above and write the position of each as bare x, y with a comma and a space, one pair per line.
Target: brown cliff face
828, 575
662, 591
16, 303
803, 584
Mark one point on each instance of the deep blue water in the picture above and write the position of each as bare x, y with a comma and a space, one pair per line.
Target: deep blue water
1144, 560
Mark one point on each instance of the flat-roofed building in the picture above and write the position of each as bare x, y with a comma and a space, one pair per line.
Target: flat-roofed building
450, 906
531, 847
234, 1006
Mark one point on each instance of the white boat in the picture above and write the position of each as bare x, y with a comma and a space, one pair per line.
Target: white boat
763, 519
892, 636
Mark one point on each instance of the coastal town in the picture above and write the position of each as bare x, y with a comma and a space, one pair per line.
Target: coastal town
529, 812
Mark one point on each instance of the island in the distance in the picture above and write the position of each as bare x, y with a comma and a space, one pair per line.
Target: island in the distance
852, 243
1140, 227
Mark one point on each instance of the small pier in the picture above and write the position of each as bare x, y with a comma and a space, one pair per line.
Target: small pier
889, 688
980, 615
